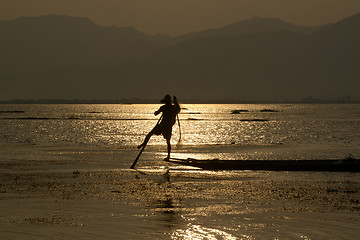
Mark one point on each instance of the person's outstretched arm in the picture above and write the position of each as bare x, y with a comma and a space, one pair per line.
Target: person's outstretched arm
158, 111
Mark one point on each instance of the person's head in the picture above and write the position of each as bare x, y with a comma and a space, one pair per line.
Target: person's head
167, 99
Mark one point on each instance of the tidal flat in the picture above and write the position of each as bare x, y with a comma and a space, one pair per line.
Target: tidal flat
92, 194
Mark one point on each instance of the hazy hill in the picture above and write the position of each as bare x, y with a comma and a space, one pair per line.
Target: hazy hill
41, 55
66, 57
253, 25
265, 64
333, 57
70, 40
245, 66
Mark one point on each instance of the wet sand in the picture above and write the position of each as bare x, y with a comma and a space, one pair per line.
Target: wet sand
50, 193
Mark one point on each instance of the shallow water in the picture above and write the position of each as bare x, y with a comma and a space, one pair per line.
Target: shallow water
171, 202
65, 173
290, 131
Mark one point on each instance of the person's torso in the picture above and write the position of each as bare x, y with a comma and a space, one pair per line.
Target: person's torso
169, 114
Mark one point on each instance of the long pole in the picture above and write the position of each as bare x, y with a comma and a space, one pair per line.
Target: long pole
137, 158
142, 149
179, 127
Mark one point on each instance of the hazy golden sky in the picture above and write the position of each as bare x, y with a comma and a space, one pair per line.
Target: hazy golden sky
175, 17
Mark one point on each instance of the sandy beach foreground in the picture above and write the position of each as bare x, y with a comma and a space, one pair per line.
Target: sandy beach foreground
91, 194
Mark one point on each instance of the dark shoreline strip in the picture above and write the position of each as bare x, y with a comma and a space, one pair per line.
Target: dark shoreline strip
341, 165
12, 111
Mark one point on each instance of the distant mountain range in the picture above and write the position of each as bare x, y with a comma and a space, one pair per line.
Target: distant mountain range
257, 59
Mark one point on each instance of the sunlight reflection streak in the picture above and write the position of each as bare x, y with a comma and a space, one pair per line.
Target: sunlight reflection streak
199, 232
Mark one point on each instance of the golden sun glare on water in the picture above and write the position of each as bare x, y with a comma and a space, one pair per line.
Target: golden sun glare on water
199, 232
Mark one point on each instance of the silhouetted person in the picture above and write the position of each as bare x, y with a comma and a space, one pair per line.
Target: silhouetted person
167, 120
